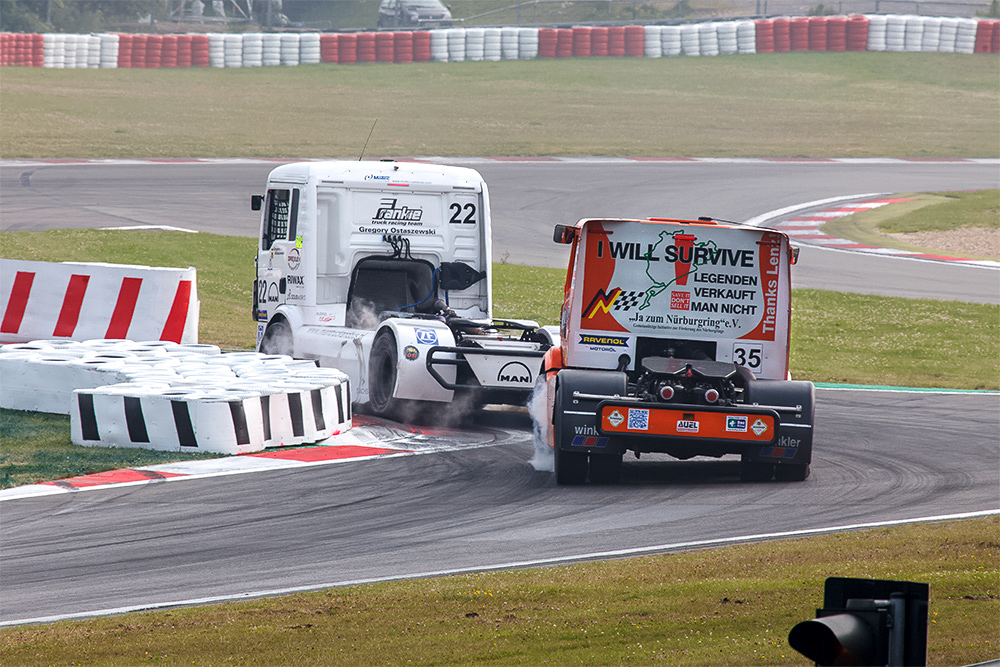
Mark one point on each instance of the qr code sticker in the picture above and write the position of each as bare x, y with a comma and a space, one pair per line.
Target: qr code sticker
638, 420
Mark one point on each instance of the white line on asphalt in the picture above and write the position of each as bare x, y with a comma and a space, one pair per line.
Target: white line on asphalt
559, 560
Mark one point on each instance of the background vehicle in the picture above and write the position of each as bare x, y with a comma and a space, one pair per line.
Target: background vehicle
674, 339
413, 14
384, 271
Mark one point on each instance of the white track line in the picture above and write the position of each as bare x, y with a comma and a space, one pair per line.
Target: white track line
559, 560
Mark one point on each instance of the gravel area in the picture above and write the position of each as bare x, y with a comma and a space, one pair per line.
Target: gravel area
975, 241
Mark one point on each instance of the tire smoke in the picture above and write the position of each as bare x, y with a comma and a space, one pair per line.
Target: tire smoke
544, 458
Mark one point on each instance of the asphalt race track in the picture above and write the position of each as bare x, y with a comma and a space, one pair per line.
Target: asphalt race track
879, 455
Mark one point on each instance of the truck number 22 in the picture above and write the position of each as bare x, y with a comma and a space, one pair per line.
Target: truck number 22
456, 217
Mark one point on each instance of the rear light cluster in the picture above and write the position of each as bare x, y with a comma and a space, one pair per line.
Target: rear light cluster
669, 392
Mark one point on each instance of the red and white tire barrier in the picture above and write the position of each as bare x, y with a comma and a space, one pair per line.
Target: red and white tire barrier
84, 301
174, 397
805, 33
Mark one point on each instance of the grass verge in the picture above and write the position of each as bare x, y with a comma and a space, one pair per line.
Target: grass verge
35, 447
836, 337
926, 212
764, 105
729, 606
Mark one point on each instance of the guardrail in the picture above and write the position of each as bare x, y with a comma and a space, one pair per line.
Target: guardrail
904, 33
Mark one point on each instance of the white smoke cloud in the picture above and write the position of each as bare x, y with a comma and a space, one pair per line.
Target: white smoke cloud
544, 458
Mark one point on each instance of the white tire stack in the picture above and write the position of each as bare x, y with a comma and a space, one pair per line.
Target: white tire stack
456, 45
877, 30
728, 41
913, 39
965, 39
652, 45
271, 55
49, 50
931, 41
70, 43
509, 43
109, 51
746, 37
253, 49
233, 45
527, 42
895, 33
290, 49
670, 40
949, 35
93, 51
309, 48
690, 39
492, 45
475, 42
216, 50
708, 39
439, 45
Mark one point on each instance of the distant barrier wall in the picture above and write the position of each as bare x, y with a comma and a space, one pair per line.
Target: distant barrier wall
779, 35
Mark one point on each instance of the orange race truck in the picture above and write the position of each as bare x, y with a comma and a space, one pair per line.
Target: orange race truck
674, 339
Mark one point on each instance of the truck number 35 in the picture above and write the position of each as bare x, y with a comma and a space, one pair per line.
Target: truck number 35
748, 355
456, 216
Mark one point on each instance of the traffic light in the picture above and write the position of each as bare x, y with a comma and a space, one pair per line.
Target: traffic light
867, 622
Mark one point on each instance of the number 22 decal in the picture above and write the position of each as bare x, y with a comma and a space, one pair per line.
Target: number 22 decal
456, 217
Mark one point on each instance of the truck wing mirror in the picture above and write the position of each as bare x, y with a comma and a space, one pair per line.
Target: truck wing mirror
564, 234
795, 254
256, 202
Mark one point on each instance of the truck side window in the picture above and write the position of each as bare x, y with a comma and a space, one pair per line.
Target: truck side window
282, 216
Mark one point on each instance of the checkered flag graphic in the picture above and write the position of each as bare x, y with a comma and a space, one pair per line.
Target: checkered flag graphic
628, 300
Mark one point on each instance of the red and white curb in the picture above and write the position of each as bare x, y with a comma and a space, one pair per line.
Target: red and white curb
804, 228
370, 438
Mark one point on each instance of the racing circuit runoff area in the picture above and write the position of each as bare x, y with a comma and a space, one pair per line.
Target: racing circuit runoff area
877, 458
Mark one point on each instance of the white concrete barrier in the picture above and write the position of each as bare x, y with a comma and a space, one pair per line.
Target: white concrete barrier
83, 301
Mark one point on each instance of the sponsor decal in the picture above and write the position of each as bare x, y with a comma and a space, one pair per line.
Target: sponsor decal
411, 353
294, 258
426, 336
584, 430
514, 371
297, 281
376, 177
638, 419
616, 418
687, 426
680, 300
262, 316
787, 441
389, 210
589, 441
736, 423
759, 426
615, 341
298, 241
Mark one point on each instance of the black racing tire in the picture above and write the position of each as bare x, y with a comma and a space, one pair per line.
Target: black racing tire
791, 472
571, 467
277, 338
382, 376
756, 471
606, 468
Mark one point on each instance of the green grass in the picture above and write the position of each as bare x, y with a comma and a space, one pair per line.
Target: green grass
36, 447
780, 105
730, 606
836, 337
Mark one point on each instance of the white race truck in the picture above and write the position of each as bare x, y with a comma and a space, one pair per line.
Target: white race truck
675, 340
383, 270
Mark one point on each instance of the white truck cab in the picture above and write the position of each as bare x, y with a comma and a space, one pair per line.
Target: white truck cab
384, 271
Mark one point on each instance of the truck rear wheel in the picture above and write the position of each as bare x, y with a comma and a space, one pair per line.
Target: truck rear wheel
571, 467
791, 472
756, 471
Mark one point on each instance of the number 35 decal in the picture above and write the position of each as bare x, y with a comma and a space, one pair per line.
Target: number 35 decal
748, 354
457, 217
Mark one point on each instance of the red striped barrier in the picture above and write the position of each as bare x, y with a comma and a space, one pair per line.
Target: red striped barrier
635, 41
782, 35
199, 51
169, 57
154, 51
984, 36
599, 41
347, 49
564, 43
857, 33
764, 35
139, 51
798, 29
125, 51
403, 47
87, 301
818, 33
422, 46
548, 40
184, 55
616, 41
329, 50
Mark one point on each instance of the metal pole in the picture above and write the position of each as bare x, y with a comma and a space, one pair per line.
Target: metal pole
897, 633
518, 12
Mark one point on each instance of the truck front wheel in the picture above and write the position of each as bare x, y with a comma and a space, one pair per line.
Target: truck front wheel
382, 375
277, 338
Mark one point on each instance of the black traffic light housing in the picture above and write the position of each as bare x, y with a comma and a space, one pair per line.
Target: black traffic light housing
867, 622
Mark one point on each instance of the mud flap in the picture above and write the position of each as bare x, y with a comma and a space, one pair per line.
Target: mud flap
574, 420
795, 431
